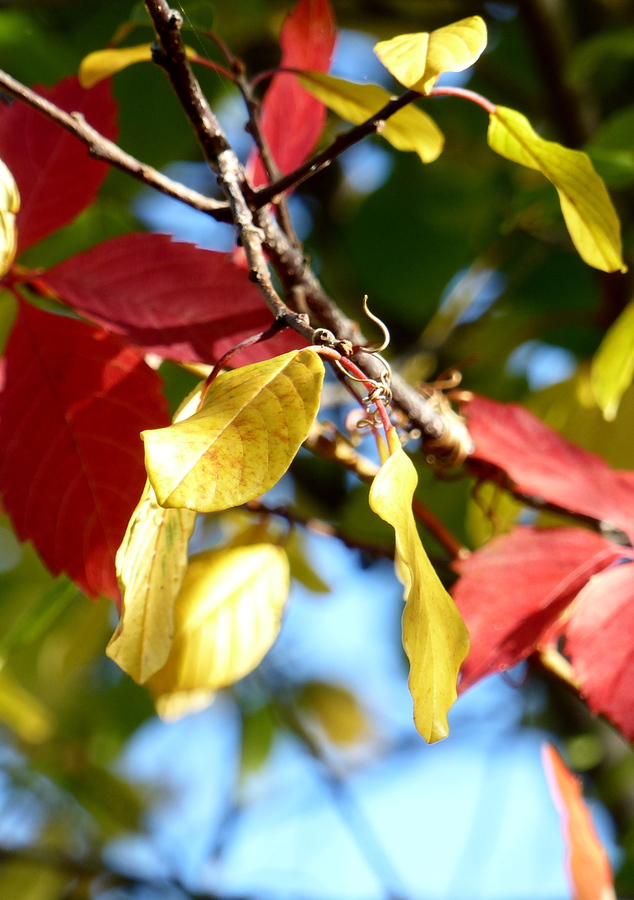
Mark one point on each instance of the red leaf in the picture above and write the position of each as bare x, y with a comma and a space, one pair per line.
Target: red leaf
71, 460
540, 463
56, 177
512, 590
175, 299
292, 119
589, 871
600, 643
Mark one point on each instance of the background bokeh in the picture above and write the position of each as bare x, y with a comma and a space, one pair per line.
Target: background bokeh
307, 779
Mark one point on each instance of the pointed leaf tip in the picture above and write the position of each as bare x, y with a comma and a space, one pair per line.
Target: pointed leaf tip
243, 438
590, 216
418, 60
435, 637
410, 129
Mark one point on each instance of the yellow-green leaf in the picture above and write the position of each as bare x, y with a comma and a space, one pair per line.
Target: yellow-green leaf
9, 206
227, 616
242, 440
22, 711
590, 216
337, 711
104, 63
613, 364
434, 636
408, 129
418, 60
151, 564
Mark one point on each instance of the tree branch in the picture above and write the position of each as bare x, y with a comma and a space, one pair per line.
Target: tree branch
107, 151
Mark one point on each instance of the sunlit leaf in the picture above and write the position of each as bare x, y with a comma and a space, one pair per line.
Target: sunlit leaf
434, 636
103, 63
613, 364
242, 440
418, 60
292, 120
9, 206
590, 216
589, 872
337, 710
226, 617
55, 174
408, 129
151, 564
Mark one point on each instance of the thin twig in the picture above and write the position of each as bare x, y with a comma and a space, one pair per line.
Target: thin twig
103, 149
342, 142
172, 57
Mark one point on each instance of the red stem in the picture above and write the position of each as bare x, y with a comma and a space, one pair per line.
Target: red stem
466, 95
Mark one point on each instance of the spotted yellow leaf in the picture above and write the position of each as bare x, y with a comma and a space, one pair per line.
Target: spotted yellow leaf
151, 564
434, 636
243, 438
418, 60
590, 216
103, 63
408, 129
9, 206
226, 618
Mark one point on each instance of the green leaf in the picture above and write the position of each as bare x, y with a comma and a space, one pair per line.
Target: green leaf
226, 618
434, 636
590, 216
243, 438
9, 206
408, 129
613, 364
418, 60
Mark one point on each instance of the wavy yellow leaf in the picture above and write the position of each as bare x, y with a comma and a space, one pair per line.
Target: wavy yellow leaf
103, 63
435, 638
590, 216
226, 618
9, 206
408, 129
613, 364
418, 60
243, 438
151, 564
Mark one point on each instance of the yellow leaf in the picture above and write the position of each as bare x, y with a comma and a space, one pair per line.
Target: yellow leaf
151, 564
242, 440
418, 60
613, 364
227, 615
337, 711
590, 216
104, 63
408, 129
9, 206
434, 636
